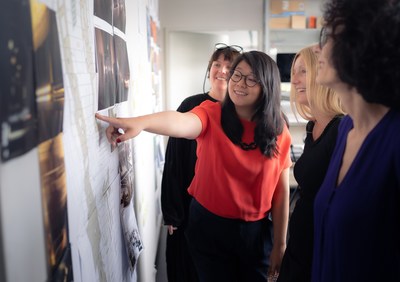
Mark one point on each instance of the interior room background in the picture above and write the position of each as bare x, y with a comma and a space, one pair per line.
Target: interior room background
72, 207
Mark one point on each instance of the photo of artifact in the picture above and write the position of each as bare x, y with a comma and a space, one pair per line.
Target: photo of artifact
50, 106
133, 242
48, 74
18, 123
122, 69
104, 10
119, 15
125, 170
112, 63
105, 69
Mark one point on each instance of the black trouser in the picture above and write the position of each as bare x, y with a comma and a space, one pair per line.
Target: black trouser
228, 249
180, 267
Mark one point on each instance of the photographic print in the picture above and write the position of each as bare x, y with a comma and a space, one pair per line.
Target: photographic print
48, 73
133, 242
18, 123
119, 15
103, 9
50, 105
122, 69
105, 68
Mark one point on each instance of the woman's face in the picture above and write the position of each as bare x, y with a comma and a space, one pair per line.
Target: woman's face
326, 74
219, 73
244, 88
299, 81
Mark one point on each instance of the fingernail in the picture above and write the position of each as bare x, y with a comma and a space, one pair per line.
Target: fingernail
118, 140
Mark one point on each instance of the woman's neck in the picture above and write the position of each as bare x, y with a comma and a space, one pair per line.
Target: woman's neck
320, 123
244, 113
217, 95
364, 115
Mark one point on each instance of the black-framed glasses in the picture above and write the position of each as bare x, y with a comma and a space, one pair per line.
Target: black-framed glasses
220, 46
249, 80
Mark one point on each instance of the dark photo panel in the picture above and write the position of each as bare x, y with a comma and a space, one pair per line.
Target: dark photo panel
54, 202
122, 69
119, 15
49, 80
18, 124
50, 105
104, 10
105, 68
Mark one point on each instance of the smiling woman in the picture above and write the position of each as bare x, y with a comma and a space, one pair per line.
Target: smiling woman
321, 107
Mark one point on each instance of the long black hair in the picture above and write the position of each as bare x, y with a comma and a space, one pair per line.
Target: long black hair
268, 116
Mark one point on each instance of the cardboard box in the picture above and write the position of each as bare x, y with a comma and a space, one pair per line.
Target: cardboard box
320, 22
295, 6
298, 22
276, 7
287, 7
279, 22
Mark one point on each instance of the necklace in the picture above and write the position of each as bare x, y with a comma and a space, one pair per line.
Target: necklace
248, 147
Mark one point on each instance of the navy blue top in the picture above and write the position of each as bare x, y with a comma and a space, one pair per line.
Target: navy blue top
357, 224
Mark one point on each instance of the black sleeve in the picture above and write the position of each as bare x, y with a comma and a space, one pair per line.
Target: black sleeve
180, 160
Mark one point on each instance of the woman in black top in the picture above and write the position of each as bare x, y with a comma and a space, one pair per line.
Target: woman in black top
321, 107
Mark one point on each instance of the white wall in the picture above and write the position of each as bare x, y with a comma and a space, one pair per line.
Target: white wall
185, 71
194, 15
22, 219
191, 28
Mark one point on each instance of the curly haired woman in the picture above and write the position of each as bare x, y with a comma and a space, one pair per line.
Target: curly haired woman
357, 209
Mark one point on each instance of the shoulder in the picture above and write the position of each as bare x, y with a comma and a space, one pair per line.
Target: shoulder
208, 105
193, 101
390, 125
310, 126
345, 123
333, 125
285, 138
337, 119
208, 109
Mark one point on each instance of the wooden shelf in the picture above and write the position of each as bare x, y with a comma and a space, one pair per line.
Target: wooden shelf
311, 30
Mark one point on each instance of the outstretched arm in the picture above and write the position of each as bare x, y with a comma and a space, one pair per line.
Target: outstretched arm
170, 123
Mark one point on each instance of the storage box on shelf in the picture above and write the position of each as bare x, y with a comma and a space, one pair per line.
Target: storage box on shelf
290, 27
282, 6
285, 13
298, 22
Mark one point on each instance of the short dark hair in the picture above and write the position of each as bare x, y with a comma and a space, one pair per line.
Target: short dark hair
229, 55
366, 47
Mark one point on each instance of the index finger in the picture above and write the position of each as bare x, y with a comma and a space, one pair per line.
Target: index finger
110, 120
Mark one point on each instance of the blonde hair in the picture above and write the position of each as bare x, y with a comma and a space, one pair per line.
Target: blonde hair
320, 98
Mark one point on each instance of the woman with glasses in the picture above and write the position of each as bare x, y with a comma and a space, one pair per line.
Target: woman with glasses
322, 108
180, 159
357, 209
241, 175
